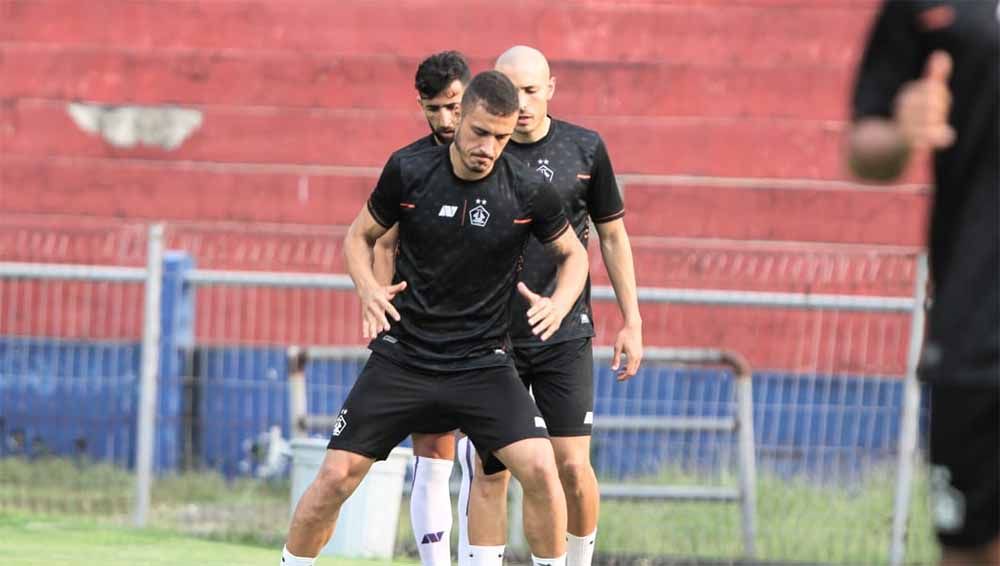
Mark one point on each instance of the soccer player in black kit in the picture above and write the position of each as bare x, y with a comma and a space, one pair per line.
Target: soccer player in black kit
928, 81
440, 81
465, 212
559, 371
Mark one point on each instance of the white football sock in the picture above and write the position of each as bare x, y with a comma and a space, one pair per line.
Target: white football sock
558, 561
580, 550
289, 559
466, 459
485, 555
430, 510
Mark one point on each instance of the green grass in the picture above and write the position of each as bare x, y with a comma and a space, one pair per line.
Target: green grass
795, 520
34, 540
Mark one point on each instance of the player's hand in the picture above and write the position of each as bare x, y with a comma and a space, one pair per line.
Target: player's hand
628, 342
375, 305
544, 315
922, 106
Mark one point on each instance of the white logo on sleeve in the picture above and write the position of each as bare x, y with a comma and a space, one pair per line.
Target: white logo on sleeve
479, 216
448, 211
584, 319
341, 423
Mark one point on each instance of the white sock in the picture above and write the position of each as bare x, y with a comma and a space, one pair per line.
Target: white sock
485, 555
430, 510
558, 561
289, 559
466, 460
580, 550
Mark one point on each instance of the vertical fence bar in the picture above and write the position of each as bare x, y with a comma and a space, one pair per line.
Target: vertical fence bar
747, 462
148, 377
910, 418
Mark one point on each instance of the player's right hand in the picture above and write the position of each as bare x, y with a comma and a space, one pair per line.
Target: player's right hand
544, 315
375, 304
922, 106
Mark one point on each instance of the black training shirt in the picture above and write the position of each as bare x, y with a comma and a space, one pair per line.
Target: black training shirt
459, 247
574, 161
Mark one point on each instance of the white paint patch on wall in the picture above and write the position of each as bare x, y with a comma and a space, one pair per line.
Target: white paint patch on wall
126, 126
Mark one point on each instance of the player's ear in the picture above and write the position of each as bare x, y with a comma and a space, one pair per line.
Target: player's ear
552, 88
420, 101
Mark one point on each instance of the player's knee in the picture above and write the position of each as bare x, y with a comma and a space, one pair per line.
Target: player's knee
336, 481
539, 472
575, 473
492, 485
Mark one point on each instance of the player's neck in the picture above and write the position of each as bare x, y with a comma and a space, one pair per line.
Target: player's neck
461, 171
534, 135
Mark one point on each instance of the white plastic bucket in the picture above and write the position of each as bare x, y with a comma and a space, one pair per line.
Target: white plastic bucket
369, 518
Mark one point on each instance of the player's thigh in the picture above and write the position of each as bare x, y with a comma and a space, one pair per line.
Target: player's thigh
562, 383
530, 460
386, 404
494, 409
965, 464
440, 446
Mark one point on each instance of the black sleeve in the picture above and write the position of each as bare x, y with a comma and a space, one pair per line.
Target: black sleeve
893, 56
383, 204
548, 218
604, 199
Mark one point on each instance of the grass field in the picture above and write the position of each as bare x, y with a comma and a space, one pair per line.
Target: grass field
797, 521
73, 541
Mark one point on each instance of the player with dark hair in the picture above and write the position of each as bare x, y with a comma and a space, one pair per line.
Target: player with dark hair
929, 81
440, 82
465, 212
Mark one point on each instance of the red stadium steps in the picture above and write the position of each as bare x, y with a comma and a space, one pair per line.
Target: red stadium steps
789, 32
777, 210
678, 207
692, 146
186, 77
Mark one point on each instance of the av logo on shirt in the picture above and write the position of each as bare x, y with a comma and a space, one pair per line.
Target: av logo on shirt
479, 216
545, 170
448, 211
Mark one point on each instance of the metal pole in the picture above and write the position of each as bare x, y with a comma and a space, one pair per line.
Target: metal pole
910, 418
145, 439
298, 406
748, 466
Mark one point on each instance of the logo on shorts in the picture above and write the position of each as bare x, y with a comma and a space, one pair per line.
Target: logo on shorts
431, 538
947, 503
389, 339
588, 418
479, 216
539, 422
545, 170
341, 424
448, 211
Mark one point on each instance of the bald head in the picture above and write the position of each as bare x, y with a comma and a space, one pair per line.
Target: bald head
522, 58
528, 69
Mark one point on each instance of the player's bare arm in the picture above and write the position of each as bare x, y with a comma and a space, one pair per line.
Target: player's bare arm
546, 313
375, 297
617, 253
385, 256
879, 148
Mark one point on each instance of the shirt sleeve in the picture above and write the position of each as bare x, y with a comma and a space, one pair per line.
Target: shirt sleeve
384, 202
604, 199
547, 214
894, 55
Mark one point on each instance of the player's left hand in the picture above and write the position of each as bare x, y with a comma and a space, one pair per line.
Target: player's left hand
544, 315
628, 342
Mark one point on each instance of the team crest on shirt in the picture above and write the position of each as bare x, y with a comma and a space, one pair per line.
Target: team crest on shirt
479, 216
545, 170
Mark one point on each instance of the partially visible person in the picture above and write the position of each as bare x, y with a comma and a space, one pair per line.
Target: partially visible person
928, 81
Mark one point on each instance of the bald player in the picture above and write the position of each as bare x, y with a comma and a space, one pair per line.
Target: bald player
559, 370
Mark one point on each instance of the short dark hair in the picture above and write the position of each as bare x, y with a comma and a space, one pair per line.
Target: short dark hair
438, 71
494, 91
